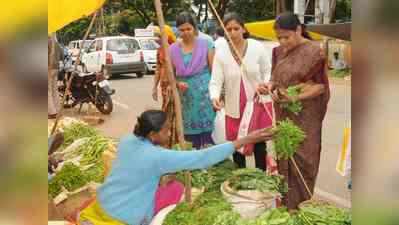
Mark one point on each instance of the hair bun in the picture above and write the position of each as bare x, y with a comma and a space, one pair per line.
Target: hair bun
150, 120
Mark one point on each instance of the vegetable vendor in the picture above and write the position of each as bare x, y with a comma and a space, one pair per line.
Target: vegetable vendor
128, 193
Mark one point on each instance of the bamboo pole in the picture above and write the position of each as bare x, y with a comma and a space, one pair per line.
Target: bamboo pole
59, 114
176, 97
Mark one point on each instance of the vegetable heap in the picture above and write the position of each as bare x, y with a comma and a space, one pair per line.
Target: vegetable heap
309, 215
279, 216
82, 154
210, 178
256, 179
77, 130
70, 177
295, 106
287, 139
203, 211
323, 214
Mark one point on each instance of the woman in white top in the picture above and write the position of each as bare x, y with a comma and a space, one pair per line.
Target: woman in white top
243, 111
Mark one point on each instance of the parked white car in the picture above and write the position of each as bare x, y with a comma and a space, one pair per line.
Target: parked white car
115, 55
149, 47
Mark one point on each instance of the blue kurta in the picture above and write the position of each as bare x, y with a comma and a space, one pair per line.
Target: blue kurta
198, 114
128, 193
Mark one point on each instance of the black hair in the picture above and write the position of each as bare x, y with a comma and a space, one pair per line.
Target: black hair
234, 16
220, 32
148, 121
290, 21
186, 17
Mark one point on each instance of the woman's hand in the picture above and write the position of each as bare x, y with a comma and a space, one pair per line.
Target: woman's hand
182, 86
260, 135
275, 95
217, 105
254, 137
262, 89
285, 98
265, 88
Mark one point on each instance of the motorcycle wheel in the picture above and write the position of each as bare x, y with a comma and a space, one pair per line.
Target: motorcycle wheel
104, 103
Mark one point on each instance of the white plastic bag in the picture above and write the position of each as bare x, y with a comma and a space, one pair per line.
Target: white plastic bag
219, 133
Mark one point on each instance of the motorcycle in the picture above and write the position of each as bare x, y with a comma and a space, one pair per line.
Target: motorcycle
85, 88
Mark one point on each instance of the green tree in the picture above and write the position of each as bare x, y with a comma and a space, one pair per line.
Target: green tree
123, 16
343, 10
73, 31
253, 10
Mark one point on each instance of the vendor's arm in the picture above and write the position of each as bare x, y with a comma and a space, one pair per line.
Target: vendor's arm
172, 161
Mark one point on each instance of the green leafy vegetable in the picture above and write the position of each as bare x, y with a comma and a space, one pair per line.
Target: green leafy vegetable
95, 173
70, 177
287, 139
227, 218
256, 179
296, 106
76, 131
93, 149
323, 213
279, 216
203, 211
210, 178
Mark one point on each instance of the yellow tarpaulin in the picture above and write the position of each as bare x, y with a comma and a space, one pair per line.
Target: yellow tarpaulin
264, 29
63, 12
168, 30
16, 15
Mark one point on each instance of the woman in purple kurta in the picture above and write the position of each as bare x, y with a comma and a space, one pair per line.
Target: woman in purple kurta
192, 58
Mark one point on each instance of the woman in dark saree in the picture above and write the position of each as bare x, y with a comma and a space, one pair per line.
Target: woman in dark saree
299, 61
